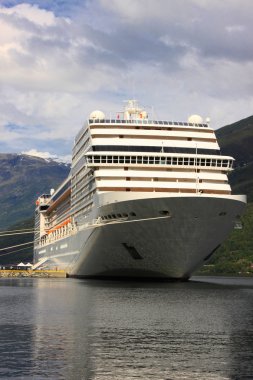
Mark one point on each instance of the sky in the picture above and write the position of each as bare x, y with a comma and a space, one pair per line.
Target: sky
62, 59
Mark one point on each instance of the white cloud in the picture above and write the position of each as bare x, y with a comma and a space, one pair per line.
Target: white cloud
192, 56
31, 13
235, 28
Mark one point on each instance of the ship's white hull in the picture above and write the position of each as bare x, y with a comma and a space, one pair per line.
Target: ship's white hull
166, 237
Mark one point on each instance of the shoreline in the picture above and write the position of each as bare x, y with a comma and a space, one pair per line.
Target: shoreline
14, 273
20, 273
242, 274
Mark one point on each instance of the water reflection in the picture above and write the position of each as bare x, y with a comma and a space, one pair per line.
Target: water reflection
73, 329
63, 317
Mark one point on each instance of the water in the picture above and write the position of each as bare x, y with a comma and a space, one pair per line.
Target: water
78, 329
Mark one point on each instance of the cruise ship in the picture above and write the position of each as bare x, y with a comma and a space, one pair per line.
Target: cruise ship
144, 198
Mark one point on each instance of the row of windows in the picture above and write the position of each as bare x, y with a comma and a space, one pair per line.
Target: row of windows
152, 128
80, 135
78, 166
145, 160
81, 197
77, 204
83, 211
82, 191
78, 152
145, 121
58, 204
82, 182
161, 179
81, 174
164, 190
50, 223
80, 185
57, 194
61, 208
59, 213
150, 137
154, 149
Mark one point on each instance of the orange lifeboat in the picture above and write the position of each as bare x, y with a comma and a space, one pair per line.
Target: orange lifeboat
67, 221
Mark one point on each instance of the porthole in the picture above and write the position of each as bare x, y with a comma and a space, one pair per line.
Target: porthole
223, 213
125, 215
119, 215
132, 214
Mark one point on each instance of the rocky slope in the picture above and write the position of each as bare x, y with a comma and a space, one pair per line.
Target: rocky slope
22, 179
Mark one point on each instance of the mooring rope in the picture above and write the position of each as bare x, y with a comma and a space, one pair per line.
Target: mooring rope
16, 250
17, 245
22, 229
17, 233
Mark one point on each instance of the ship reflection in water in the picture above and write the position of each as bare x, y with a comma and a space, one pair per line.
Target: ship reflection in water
74, 329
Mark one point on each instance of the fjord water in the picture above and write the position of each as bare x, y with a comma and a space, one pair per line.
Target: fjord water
80, 329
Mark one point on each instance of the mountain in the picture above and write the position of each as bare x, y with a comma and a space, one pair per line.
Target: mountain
236, 140
235, 256
22, 179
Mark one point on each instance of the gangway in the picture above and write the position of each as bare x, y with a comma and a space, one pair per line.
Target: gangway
40, 262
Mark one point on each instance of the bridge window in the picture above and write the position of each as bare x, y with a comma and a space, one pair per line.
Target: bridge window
160, 160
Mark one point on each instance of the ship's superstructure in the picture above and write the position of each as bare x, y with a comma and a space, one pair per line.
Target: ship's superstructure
144, 198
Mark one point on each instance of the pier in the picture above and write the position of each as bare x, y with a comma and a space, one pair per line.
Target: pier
16, 273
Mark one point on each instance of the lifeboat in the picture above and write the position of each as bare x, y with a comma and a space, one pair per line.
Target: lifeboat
67, 221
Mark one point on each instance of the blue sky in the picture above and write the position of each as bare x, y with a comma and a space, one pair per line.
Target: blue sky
59, 7
60, 60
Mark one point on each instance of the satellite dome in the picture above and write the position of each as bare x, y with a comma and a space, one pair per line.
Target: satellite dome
97, 115
195, 119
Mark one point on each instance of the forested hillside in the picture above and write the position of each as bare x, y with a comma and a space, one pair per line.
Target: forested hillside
236, 140
235, 256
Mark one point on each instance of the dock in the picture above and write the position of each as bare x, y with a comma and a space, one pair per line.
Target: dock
16, 273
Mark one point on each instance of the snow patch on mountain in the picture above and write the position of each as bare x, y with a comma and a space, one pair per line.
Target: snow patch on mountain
48, 156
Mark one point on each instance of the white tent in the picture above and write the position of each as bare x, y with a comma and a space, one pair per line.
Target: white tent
28, 265
21, 264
